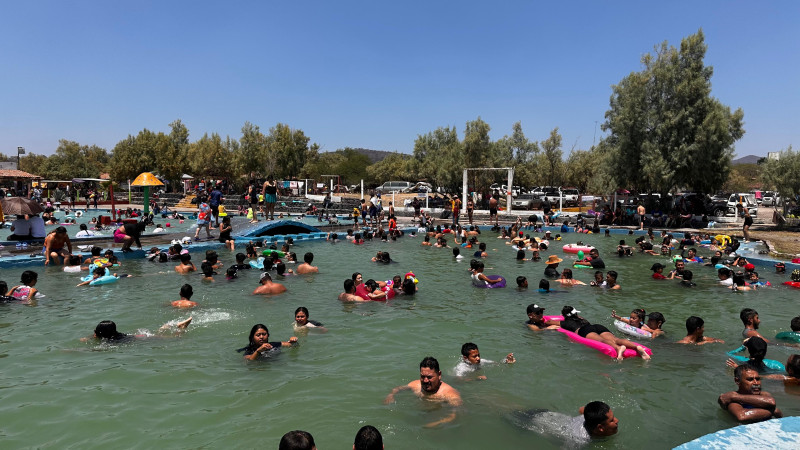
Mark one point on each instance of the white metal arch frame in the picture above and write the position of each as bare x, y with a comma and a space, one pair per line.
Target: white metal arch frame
465, 187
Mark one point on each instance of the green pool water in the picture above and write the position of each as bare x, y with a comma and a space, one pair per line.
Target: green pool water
195, 391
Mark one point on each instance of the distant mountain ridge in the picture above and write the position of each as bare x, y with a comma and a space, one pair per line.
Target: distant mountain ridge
749, 159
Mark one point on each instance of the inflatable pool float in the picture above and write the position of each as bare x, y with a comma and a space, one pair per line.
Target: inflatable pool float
771, 364
632, 330
499, 284
791, 336
794, 284
581, 266
269, 253
257, 264
597, 345
575, 248
773, 434
106, 279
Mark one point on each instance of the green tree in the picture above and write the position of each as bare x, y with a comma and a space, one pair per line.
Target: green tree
522, 153
211, 157
32, 163
438, 157
72, 160
134, 155
665, 129
580, 169
783, 174
396, 166
290, 149
171, 162
550, 159
250, 158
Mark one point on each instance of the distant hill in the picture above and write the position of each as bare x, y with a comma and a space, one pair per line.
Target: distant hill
749, 159
374, 155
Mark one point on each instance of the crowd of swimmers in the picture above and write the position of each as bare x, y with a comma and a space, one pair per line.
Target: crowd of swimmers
747, 404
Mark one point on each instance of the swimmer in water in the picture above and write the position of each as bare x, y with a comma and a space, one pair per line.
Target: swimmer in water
349, 294
749, 404
751, 322
106, 331
186, 264
267, 286
186, 298
260, 346
97, 273
471, 361
577, 324
596, 421
479, 279
301, 320
536, 319
306, 266
431, 387
25, 291
695, 327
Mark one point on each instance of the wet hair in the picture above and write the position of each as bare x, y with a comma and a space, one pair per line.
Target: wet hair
456, 250
207, 268
385, 258
61, 230
308, 258
253, 330
544, 284
478, 265
612, 274
738, 280
747, 315
355, 275
567, 274
231, 273
520, 255
297, 440
99, 271
280, 268
594, 413
520, 280
757, 348
740, 369
303, 309
211, 256
107, 329
162, 257
74, 260
368, 438
240, 257
349, 284
187, 291
640, 313
408, 287
724, 271
793, 365
28, 277
482, 246
657, 316
371, 285
468, 347
687, 275
795, 324
185, 258
96, 251
3, 288
431, 363
694, 323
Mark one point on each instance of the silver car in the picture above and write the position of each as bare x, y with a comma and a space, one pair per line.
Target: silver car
527, 201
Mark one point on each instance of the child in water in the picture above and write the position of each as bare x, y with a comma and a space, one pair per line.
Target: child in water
471, 361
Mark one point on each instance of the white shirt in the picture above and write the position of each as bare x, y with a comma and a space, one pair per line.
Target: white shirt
84, 233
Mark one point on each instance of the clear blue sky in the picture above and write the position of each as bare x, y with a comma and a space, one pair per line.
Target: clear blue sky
373, 74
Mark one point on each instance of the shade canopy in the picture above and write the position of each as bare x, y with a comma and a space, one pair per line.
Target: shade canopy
146, 179
20, 206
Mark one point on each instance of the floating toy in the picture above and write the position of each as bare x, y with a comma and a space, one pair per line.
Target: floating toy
269, 253
791, 336
411, 276
597, 345
106, 279
575, 248
499, 284
258, 264
770, 363
632, 330
581, 266
794, 284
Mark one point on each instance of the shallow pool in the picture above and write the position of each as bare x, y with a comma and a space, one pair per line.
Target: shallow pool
196, 391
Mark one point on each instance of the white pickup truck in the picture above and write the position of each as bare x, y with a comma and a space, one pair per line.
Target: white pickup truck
570, 196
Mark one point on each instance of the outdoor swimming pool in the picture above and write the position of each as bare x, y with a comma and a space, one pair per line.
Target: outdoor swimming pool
196, 391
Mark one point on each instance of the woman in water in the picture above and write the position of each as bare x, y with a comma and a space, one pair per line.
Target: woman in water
260, 346
573, 322
26, 291
107, 331
567, 280
301, 320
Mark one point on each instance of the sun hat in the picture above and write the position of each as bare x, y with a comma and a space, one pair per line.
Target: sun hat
553, 259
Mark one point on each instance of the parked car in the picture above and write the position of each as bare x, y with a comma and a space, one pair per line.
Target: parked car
571, 196
527, 201
538, 190
393, 186
771, 198
699, 204
518, 190
746, 199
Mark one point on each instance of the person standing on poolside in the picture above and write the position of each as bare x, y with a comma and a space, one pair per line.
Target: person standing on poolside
748, 221
214, 200
493, 210
270, 192
640, 211
252, 196
431, 387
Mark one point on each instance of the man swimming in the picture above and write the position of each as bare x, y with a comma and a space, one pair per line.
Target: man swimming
597, 420
749, 403
431, 387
